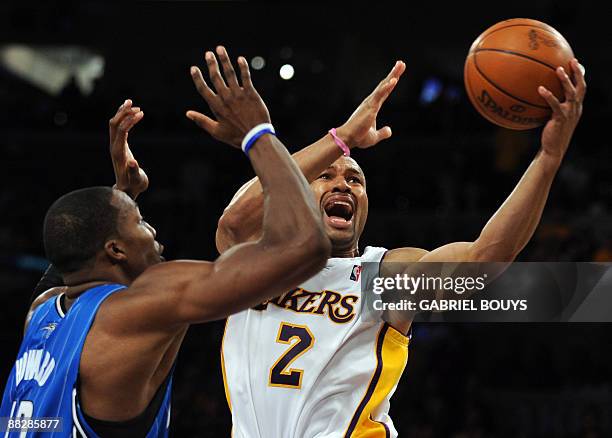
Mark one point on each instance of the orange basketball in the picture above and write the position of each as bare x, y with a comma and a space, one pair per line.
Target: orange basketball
505, 66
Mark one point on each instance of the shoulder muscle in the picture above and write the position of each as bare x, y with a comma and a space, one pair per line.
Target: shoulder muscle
42, 298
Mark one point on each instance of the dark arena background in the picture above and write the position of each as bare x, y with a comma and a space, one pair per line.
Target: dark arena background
437, 180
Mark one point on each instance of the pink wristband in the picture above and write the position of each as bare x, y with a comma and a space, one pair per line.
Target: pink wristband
345, 149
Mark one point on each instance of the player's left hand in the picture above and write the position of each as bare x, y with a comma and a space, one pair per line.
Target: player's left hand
237, 108
559, 129
360, 129
129, 177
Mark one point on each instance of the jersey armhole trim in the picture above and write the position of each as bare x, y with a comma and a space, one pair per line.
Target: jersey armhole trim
58, 305
398, 337
382, 259
75, 417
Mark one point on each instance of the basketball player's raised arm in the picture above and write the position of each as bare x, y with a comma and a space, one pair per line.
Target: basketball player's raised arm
293, 245
241, 221
129, 178
512, 226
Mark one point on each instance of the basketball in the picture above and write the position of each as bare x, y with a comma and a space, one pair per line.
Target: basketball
505, 66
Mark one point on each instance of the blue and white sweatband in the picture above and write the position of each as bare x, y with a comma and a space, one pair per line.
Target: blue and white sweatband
252, 136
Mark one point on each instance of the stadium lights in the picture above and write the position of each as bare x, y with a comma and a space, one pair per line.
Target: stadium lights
258, 63
287, 71
52, 68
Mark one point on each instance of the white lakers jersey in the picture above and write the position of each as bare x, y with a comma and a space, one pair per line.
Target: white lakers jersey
307, 365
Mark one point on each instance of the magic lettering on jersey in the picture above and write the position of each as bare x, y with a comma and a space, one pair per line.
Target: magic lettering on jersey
337, 307
34, 365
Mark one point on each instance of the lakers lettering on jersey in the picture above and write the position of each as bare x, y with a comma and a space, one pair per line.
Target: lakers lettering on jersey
305, 364
337, 307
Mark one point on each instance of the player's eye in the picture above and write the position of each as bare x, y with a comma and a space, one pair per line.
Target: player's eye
325, 176
354, 179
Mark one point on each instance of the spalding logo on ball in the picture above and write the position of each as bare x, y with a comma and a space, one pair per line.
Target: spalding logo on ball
505, 66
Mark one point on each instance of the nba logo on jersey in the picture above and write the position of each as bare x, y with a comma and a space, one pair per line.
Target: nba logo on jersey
355, 273
48, 329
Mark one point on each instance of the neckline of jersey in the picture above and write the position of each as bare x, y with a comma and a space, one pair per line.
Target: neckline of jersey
58, 305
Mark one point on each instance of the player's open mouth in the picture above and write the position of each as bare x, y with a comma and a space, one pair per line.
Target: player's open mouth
339, 211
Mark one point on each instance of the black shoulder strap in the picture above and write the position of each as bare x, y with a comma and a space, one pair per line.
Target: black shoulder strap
51, 278
138, 426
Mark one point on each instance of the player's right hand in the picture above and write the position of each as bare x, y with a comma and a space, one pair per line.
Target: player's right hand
237, 108
129, 177
360, 129
558, 131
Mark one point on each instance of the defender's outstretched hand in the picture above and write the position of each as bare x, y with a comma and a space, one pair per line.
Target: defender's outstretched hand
559, 129
237, 108
129, 177
360, 129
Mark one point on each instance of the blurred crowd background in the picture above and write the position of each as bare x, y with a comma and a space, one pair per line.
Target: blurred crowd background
64, 70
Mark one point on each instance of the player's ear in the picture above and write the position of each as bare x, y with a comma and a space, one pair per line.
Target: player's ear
114, 250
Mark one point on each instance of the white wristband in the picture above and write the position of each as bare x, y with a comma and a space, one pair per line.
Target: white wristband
254, 133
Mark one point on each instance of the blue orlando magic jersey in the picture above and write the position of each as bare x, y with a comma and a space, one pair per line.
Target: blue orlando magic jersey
43, 382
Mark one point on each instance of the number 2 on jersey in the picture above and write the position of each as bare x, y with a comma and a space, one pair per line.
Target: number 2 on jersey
279, 374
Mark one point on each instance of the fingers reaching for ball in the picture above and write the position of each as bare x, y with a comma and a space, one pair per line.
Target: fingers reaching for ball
550, 98
568, 88
579, 81
574, 89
